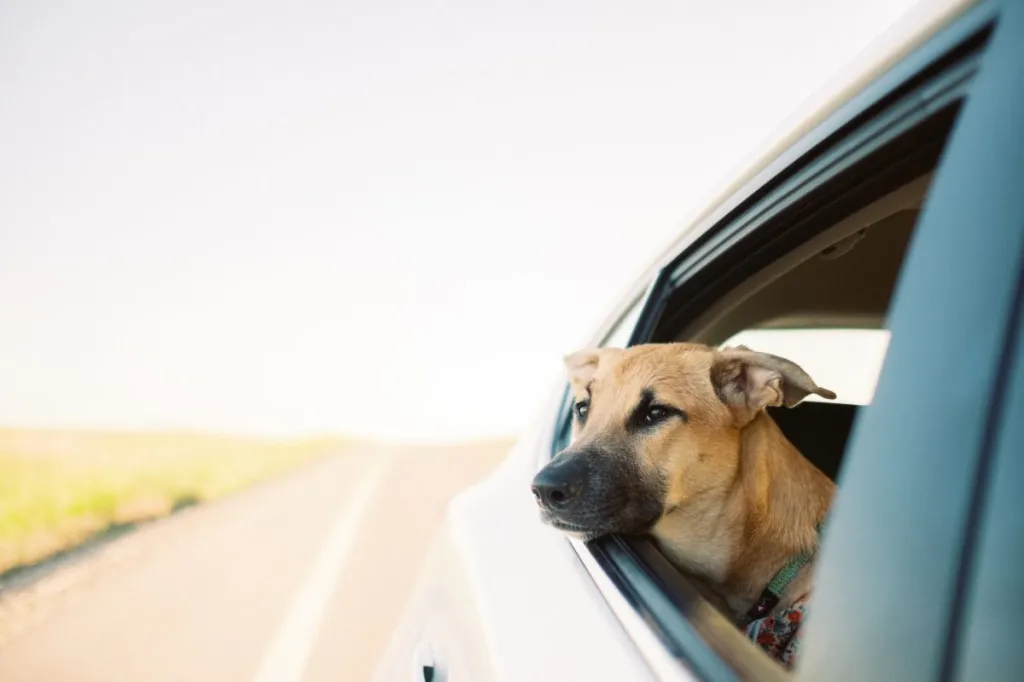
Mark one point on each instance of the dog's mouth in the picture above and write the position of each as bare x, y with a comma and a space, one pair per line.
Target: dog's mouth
584, 531
573, 530
566, 526
599, 525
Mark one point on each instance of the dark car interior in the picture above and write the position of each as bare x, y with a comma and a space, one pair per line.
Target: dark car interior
819, 430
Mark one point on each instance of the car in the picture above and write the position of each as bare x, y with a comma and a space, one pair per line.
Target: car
880, 243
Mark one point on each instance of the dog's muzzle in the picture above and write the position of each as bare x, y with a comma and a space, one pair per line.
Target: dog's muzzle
597, 491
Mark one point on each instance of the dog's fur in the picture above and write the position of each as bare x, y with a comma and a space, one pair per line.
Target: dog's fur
673, 440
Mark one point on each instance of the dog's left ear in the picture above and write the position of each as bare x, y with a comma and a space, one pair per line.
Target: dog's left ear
748, 381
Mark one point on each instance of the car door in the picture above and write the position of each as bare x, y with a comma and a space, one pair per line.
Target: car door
986, 624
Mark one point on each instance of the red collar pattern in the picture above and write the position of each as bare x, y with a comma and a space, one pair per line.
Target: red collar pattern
779, 634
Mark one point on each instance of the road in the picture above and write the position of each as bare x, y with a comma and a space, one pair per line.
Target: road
299, 579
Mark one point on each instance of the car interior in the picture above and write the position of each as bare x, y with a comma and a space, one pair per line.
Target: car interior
842, 279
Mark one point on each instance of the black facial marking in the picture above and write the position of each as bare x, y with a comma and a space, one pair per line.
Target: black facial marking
648, 413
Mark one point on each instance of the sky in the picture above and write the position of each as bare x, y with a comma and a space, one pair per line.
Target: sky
383, 219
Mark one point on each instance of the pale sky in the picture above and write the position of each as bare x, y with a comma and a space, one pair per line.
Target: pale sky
386, 219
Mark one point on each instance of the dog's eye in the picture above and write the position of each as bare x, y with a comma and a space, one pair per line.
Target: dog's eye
649, 413
581, 408
654, 414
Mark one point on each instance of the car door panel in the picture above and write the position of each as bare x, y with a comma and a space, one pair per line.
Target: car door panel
988, 629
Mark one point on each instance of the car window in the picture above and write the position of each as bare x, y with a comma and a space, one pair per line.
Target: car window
846, 361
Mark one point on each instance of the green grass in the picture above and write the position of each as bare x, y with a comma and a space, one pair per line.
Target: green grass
59, 488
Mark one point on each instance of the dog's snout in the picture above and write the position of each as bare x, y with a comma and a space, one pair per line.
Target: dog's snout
553, 492
557, 485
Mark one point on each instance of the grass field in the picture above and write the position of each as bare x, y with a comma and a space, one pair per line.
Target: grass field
59, 488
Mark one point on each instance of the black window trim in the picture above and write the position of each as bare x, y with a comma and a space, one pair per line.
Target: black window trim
910, 84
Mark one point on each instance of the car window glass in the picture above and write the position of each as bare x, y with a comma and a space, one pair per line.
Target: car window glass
846, 361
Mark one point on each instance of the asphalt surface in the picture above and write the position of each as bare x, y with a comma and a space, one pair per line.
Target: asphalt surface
298, 579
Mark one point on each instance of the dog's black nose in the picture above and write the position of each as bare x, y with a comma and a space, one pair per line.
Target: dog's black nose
557, 484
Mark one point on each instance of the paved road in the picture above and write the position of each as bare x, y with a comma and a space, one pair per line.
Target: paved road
298, 579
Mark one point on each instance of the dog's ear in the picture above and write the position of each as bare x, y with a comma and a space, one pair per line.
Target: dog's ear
582, 365
748, 381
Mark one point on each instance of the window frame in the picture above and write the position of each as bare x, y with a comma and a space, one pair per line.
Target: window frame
896, 104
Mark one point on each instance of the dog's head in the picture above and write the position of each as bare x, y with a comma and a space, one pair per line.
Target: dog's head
654, 427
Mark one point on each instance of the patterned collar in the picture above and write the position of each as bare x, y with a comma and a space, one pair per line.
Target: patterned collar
779, 634
771, 595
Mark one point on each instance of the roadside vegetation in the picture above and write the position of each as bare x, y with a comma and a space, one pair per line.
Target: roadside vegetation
61, 488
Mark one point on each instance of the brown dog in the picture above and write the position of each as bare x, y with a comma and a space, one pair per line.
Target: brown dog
673, 440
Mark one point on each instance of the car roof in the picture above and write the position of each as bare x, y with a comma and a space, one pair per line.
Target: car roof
910, 31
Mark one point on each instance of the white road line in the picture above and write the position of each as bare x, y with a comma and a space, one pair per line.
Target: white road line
288, 655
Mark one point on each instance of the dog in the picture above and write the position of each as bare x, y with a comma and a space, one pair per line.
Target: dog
673, 441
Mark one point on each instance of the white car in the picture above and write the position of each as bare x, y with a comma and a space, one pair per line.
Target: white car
881, 245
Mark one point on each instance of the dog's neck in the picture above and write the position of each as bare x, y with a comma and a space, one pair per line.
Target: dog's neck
739, 537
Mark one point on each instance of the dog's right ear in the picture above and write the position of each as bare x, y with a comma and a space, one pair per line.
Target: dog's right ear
582, 364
